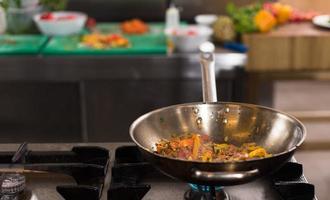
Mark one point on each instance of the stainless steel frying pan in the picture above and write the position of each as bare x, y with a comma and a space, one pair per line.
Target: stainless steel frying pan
235, 123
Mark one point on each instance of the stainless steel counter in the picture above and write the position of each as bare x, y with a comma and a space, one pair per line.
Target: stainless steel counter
92, 98
79, 68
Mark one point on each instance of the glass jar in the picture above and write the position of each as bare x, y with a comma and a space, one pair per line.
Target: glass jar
20, 20
3, 23
12, 186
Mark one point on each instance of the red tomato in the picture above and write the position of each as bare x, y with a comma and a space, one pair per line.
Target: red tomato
270, 7
67, 17
91, 23
191, 33
115, 36
47, 16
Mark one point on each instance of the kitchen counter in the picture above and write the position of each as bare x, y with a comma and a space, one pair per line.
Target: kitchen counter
78, 68
92, 98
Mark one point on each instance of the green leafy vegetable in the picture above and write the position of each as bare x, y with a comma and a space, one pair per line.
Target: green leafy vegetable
243, 17
51, 5
54, 5
4, 4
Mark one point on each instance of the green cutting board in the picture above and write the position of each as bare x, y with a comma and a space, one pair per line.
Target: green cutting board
153, 42
21, 44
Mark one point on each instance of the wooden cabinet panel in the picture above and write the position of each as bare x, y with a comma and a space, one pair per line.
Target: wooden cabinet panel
268, 53
291, 47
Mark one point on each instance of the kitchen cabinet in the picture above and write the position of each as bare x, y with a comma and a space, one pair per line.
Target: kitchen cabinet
96, 98
291, 47
39, 112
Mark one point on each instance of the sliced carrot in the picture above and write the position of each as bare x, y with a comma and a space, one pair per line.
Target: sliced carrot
197, 144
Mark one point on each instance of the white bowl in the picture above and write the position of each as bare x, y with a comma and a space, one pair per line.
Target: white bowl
61, 27
185, 42
205, 20
322, 21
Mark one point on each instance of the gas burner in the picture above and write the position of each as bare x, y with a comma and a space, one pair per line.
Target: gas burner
202, 192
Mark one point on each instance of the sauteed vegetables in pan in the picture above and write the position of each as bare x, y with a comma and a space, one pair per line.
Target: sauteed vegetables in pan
203, 160
202, 148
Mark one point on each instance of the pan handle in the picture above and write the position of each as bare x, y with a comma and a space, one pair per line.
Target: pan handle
224, 176
207, 61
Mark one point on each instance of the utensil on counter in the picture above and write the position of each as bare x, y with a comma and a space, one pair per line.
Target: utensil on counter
235, 123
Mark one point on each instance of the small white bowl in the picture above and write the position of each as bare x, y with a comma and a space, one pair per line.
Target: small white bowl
322, 21
205, 20
184, 41
62, 27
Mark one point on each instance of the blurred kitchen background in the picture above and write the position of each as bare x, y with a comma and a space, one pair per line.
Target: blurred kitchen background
62, 86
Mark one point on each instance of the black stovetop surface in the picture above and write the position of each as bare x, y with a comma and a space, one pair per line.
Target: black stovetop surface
132, 178
135, 179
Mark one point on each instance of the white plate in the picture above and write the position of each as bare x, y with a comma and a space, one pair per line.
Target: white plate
322, 21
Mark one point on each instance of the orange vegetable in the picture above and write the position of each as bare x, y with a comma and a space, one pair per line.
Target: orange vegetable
186, 142
283, 12
264, 21
199, 147
197, 144
104, 41
207, 156
134, 26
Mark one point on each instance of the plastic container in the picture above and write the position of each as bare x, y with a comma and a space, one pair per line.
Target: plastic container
172, 18
23, 3
20, 20
3, 23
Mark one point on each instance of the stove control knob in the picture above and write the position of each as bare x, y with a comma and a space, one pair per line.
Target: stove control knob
12, 185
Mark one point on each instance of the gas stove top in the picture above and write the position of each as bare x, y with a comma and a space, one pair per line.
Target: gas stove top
78, 173
117, 171
133, 178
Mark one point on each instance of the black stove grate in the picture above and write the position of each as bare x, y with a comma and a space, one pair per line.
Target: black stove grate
130, 168
86, 164
291, 184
